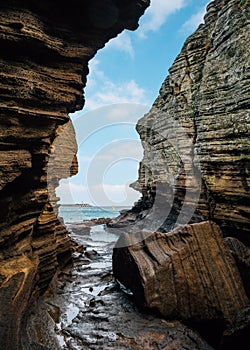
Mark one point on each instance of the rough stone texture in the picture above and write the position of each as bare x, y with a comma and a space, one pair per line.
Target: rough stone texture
187, 274
45, 49
241, 254
195, 168
17, 277
89, 311
197, 133
237, 336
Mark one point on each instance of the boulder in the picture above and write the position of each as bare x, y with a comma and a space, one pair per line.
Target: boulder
187, 274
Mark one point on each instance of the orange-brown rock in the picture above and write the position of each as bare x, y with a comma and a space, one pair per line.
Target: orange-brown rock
17, 278
186, 274
195, 168
196, 137
45, 49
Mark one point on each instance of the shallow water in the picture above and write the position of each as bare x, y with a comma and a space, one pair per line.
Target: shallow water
77, 214
89, 311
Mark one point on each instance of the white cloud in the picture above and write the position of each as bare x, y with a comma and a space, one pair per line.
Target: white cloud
106, 92
94, 73
108, 174
118, 93
83, 158
98, 194
115, 159
127, 113
109, 194
157, 14
69, 192
116, 151
122, 43
194, 21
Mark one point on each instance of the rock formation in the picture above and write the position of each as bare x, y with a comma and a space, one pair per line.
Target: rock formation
241, 254
45, 49
196, 136
187, 274
196, 141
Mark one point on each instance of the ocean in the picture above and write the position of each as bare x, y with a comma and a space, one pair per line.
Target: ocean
76, 213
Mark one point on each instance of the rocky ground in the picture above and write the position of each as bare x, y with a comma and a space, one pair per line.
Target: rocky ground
90, 311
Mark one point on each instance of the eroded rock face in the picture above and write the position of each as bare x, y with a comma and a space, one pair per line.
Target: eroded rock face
45, 49
187, 274
196, 141
196, 137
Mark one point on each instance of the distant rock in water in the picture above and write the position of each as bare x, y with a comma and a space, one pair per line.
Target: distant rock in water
195, 170
93, 222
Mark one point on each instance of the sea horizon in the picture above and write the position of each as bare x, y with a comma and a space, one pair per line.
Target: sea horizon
95, 205
75, 213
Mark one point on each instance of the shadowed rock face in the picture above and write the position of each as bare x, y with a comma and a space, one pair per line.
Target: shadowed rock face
45, 49
195, 170
241, 254
197, 133
187, 274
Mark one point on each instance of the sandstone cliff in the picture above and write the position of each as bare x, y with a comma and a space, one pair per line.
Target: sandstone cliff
200, 124
196, 141
45, 49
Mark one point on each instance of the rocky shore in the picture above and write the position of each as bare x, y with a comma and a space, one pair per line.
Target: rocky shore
195, 185
89, 310
181, 254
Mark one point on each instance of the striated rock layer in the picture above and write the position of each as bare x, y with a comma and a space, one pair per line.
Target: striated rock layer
187, 274
196, 137
195, 169
45, 49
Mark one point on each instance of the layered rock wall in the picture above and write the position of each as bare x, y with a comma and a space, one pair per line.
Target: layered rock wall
196, 136
195, 171
45, 49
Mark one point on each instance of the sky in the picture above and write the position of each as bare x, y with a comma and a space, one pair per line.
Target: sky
124, 80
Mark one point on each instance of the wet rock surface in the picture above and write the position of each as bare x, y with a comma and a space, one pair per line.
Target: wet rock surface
90, 311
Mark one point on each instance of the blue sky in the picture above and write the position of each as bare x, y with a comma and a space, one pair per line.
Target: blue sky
124, 80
